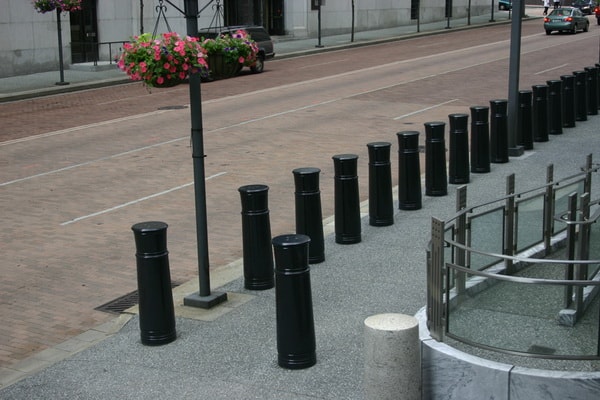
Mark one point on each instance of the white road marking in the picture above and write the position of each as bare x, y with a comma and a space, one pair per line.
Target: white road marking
425, 109
129, 203
550, 69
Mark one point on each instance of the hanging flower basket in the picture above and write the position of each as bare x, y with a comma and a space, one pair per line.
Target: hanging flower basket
162, 62
44, 6
228, 54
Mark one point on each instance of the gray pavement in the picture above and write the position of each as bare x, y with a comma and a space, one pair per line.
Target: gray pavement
230, 351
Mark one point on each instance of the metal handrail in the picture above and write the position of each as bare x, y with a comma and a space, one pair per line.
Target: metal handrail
447, 279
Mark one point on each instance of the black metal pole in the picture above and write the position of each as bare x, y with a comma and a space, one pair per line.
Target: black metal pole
319, 25
204, 298
60, 50
514, 149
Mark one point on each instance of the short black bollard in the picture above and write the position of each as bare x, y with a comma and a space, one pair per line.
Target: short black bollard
157, 314
409, 171
568, 97
539, 119
309, 215
524, 131
592, 89
347, 199
256, 238
580, 89
458, 168
381, 201
480, 139
296, 347
498, 131
436, 179
555, 107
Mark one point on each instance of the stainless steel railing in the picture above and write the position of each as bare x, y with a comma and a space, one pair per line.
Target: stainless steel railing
520, 274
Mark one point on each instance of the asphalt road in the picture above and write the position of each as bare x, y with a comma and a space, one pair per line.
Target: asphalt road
78, 170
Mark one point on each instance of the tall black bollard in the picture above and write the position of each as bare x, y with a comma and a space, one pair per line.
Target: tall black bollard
598, 85
458, 168
296, 345
381, 202
580, 89
539, 120
409, 171
436, 179
592, 89
480, 139
157, 314
309, 216
524, 131
256, 238
568, 97
347, 200
555, 107
498, 131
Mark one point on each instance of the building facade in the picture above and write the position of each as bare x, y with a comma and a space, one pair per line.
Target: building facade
29, 40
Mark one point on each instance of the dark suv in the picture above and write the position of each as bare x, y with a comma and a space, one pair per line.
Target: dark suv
586, 6
257, 33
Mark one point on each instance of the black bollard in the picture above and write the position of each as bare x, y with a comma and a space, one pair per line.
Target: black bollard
568, 97
524, 131
309, 216
598, 85
157, 314
381, 202
555, 107
296, 346
592, 89
409, 171
436, 179
480, 139
458, 168
539, 119
498, 131
580, 89
347, 200
256, 238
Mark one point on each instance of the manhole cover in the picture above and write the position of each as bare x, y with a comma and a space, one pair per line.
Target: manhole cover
120, 304
172, 107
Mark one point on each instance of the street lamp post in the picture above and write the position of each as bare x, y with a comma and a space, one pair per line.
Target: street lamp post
60, 50
203, 298
514, 148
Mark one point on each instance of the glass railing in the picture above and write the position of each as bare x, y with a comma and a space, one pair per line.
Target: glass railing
520, 275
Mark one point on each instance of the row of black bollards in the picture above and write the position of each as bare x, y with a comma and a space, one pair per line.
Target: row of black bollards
544, 110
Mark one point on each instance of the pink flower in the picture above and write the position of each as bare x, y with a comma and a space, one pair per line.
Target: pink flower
241, 60
160, 80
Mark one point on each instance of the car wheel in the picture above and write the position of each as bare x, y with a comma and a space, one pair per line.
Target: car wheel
586, 27
548, 32
259, 65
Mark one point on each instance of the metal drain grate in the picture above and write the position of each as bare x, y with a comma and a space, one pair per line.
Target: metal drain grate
120, 304
537, 349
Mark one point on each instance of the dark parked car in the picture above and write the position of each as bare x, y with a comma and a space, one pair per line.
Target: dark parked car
504, 5
567, 19
585, 6
597, 12
257, 33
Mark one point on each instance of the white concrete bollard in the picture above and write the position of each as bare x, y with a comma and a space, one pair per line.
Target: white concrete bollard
392, 357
